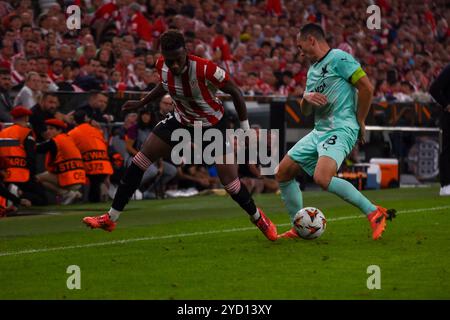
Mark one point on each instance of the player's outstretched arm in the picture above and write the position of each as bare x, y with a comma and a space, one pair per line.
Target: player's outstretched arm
365, 94
239, 102
157, 92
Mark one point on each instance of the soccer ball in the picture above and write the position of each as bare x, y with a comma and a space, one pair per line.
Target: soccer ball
310, 223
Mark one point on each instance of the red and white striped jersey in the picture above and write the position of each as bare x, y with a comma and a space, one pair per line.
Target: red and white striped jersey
194, 91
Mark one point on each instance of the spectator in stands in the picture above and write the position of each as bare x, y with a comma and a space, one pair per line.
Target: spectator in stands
221, 48
42, 64
47, 83
267, 82
22, 158
31, 49
137, 133
124, 62
65, 169
47, 108
52, 52
115, 82
139, 25
86, 41
136, 77
96, 107
56, 69
250, 86
251, 177
245, 26
151, 79
90, 51
6, 53
29, 94
119, 136
105, 57
90, 78
6, 102
94, 151
166, 105
65, 83
287, 84
64, 53
196, 176
18, 72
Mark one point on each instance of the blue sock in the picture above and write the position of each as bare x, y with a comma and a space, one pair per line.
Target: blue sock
345, 190
292, 197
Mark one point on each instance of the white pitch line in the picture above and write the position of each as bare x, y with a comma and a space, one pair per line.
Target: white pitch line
184, 235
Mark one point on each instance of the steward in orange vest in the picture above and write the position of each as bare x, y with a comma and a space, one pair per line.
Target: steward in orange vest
19, 157
94, 150
6, 195
63, 161
92, 145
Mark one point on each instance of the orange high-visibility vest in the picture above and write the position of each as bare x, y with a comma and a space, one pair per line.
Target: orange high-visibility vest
16, 156
94, 150
68, 164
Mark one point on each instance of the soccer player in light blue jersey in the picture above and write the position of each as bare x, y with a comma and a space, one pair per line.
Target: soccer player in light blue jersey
339, 93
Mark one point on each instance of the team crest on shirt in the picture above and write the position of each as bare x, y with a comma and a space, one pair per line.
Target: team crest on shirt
324, 71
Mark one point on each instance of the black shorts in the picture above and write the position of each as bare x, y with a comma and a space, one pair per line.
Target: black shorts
166, 127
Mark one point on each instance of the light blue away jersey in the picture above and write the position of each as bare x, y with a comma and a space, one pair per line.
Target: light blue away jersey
331, 77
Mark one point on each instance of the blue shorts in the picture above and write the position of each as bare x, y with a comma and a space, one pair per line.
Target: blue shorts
335, 143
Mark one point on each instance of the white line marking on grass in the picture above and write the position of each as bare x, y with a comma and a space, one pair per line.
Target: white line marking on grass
184, 235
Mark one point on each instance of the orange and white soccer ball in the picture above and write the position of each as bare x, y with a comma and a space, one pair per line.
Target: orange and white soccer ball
310, 223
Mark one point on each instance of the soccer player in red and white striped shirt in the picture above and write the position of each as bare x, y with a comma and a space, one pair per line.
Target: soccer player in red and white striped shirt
192, 82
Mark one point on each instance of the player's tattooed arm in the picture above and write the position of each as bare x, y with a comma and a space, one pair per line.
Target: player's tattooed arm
238, 100
310, 100
156, 93
365, 94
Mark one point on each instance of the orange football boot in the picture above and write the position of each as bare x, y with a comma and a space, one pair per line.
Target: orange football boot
377, 220
290, 234
266, 226
103, 222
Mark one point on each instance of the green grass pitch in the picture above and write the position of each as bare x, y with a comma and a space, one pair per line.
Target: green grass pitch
206, 248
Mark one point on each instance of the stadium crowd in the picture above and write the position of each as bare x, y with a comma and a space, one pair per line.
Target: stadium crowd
117, 47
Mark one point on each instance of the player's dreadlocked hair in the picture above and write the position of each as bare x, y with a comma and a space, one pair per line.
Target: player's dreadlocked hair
312, 29
172, 40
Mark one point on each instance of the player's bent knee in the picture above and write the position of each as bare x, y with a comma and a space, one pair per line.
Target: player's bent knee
279, 176
322, 180
282, 175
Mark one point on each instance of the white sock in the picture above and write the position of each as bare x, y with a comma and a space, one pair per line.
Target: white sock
114, 214
257, 215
